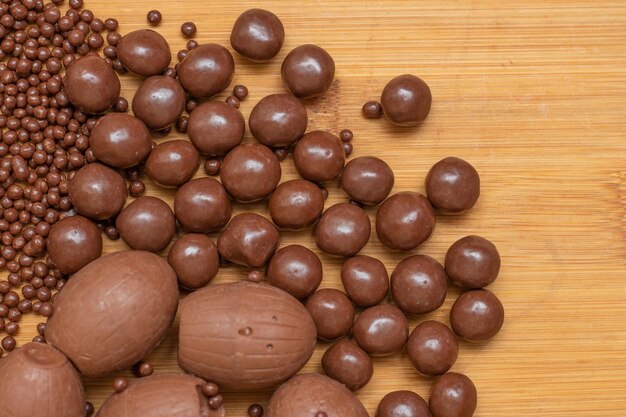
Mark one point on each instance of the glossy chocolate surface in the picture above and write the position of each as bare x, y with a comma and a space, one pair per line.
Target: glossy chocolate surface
432, 348
402, 404
159, 101
195, 260
367, 179
296, 204
365, 280
295, 269
172, 163
477, 315
257, 34
452, 185
91, 84
347, 363
278, 120
405, 220
250, 172
381, 330
343, 230
249, 239
144, 52
215, 128
419, 284
332, 312
453, 395
319, 156
98, 192
206, 70
406, 100
74, 242
120, 140
202, 205
472, 262
308, 71
147, 223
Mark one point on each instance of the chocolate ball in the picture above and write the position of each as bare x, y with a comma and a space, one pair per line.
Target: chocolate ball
257, 34
250, 172
405, 221
367, 179
173, 163
249, 239
381, 330
195, 260
402, 404
296, 270
332, 312
206, 70
296, 204
144, 52
453, 395
146, 224
419, 284
202, 205
307, 71
406, 100
120, 140
215, 128
74, 242
432, 348
452, 185
319, 156
343, 230
472, 262
91, 85
278, 120
98, 192
477, 315
347, 363
365, 280
159, 101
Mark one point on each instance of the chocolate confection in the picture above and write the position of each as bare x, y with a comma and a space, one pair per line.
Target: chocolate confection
215, 128
332, 312
91, 84
365, 280
472, 262
367, 179
452, 185
296, 270
402, 404
347, 363
257, 34
172, 163
159, 101
432, 348
343, 230
381, 330
120, 140
319, 156
144, 52
195, 260
453, 395
307, 71
278, 120
147, 223
419, 284
98, 192
250, 172
74, 242
406, 100
206, 70
405, 221
477, 315
249, 239
296, 204
202, 205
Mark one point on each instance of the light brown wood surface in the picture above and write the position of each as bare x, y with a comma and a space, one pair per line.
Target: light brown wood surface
533, 94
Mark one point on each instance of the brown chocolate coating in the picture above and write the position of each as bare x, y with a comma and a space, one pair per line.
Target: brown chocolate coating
381, 330
477, 315
419, 284
195, 260
453, 395
278, 120
74, 242
98, 192
452, 185
472, 262
215, 128
120, 140
406, 100
114, 311
347, 363
243, 335
296, 204
432, 348
147, 223
365, 280
257, 34
295, 269
343, 230
332, 312
38, 380
308, 71
319, 156
402, 404
367, 179
91, 84
202, 205
405, 221
144, 52
206, 70
173, 163
159, 101
249, 239
250, 172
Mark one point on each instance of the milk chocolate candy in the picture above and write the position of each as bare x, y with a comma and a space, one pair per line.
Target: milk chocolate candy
249, 239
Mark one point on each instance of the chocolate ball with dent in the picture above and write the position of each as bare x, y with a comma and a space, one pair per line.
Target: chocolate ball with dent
74, 242
120, 140
453, 395
347, 363
419, 284
195, 260
159, 101
249, 239
250, 172
432, 348
319, 156
215, 128
296, 204
202, 205
406, 100
278, 120
173, 163
91, 84
147, 223
453, 185
381, 330
97, 191
257, 34
343, 230
367, 179
206, 70
402, 404
365, 280
477, 315
332, 312
472, 262
308, 71
405, 221
144, 52
295, 269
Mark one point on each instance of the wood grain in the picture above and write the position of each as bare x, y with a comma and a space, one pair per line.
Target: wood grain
533, 94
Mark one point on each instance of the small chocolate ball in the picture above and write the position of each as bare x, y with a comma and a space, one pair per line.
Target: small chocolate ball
97, 191
319, 156
154, 17
452, 186
240, 91
195, 260
206, 70
250, 172
477, 315
453, 395
212, 166
159, 101
332, 312
308, 71
381, 330
188, 29
372, 110
249, 239
406, 100
472, 262
343, 230
202, 205
144, 52
215, 128
120, 140
347, 363
257, 34
402, 404
278, 120
367, 179
91, 84
74, 242
173, 163
432, 348
120, 384
365, 280
147, 223
296, 270
419, 284
296, 204
405, 221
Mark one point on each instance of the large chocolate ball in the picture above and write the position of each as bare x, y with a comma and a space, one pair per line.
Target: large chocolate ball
120, 140
250, 172
74, 242
319, 156
296, 204
472, 262
406, 100
91, 85
257, 34
147, 223
206, 70
144, 52
278, 120
367, 179
295, 269
195, 260
453, 185
343, 230
308, 71
215, 128
98, 192
172, 163
159, 101
453, 395
202, 205
405, 220
249, 239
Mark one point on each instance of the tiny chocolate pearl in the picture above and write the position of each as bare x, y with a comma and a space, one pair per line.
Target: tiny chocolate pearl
255, 276
255, 410
136, 188
281, 153
347, 148
46, 309
182, 54
182, 124
170, 72
111, 232
41, 329
215, 402
241, 92
145, 369
324, 192
132, 174
346, 135
8, 343
191, 44
111, 24
320, 414
191, 105
210, 389
154, 17
39, 339
89, 409
120, 384
121, 105
372, 110
12, 328
232, 101
188, 29
212, 166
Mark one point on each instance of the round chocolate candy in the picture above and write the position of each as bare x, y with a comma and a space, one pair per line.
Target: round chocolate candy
202, 205
419, 284
381, 330
250, 172
91, 84
472, 262
296, 270
146, 224
432, 348
319, 156
406, 100
120, 140
249, 239
365, 280
402, 404
278, 120
296, 204
195, 260
172, 163
405, 220
367, 179
477, 315
97, 191
159, 101
332, 312
452, 185
215, 128
347, 363
74, 242
453, 395
144, 52
206, 70
343, 230
257, 34
307, 71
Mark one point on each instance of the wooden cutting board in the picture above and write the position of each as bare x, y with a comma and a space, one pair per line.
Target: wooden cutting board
534, 95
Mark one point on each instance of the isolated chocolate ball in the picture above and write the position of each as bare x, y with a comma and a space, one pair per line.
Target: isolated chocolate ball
296, 204
402, 404
381, 330
249, 239
195, 260
405, 221
91, 84
419, 284
202, 205
206, 70
343, 230
477, 315
97, 191
472, 262
250, 172
146, 224
453, 395
257, 34
308, 71
295, 269
278, 120
406, 100
332, 312
120, 140
347, 363
144, 52
367, 179
215, 128
172, 163
453, 185
319, 156
432, 348
159, 101
365, 280
74, 242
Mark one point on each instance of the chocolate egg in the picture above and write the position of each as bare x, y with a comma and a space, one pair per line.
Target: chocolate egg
308, 71
74, 242
114, 311
278, 120
97, 191
144, 52
419, 284
202, 205
257, 34
172, 163
405, 221
206, 70
147, 223
367, 179
296, 204
120, 140
365, 280
453, 185
243, 335
381, 330
249, 239
159, 101
195, 260
406, 100
295, 269
91, 84
250, 172
319, 156
347, 363
343, 230
215, 128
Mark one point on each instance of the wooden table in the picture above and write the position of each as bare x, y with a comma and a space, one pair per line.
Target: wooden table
534, 95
